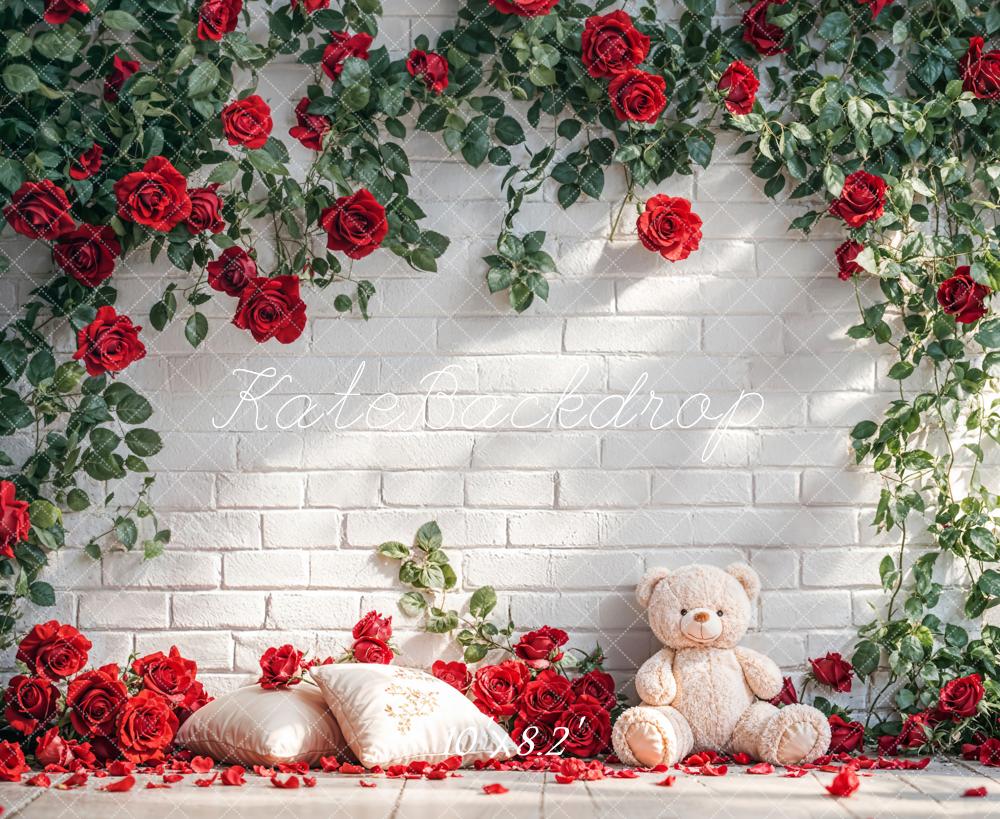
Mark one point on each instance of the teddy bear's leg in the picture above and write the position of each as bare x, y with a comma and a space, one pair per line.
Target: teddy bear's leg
652, 735
791, 735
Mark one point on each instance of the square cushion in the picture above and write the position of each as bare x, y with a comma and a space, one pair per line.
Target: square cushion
391, 715
251, 726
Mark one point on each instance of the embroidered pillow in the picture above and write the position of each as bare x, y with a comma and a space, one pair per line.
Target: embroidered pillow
391, 715
252, 726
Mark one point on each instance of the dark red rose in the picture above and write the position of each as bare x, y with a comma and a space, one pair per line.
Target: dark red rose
15, 521
88, 253
876, 6
963, 297
496, 689
355, 224
833, 671
787, 695
611, 44
247, 122
432, 67
232, 271
989, 752
524, 8
846, 253
311, 5
341, 46
914, 731
30, 702
39, 210
541, 648
121, 70
12, 763
311, 128
146, 727
157, 196
194, 698
762, 35
456, 674
169, 675
58, 12
271, 308
861, 200
845, 737
533, 738
739, 84
109, 343
374, 625
546, 697
94, 699
588, 726
981, 72
637, 96
54, 650
217, 18
88, 164
66, 754
280, 667
669, 227
372, 650
960, 698
596, 684
206, 207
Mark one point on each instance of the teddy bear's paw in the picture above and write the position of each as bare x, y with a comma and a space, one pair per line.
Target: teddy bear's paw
799, 734
644, 737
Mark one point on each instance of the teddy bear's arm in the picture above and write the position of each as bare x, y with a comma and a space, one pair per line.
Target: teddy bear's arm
761, 672
655, 683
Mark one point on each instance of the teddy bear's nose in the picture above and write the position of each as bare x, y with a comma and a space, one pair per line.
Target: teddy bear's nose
701, 617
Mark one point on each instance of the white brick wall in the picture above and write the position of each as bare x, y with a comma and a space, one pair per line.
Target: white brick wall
274, 530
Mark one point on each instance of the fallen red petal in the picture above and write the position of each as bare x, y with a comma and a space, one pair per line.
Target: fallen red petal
844, 783
761, 768
260, 770
202, 764
291, 782
40, 780
709, 770
75, 781
364, 783
234, 775
975, 792
667, 783
157, 785
172, 777
120, 768
330, 764
309, 781
122, 785
742, 759
347, 768
207, 781
562, 779
494, 788
794, 772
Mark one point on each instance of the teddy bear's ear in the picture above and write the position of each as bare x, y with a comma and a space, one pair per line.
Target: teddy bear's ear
644, 591
747, 578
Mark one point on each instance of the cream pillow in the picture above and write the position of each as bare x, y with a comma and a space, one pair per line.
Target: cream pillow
390, 715
252, 726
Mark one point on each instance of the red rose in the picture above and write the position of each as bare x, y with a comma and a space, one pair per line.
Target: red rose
533, 738
280, 667
846, 253
914, 731
588, 727
53, 650
311, 5
169, 675
58, 12
157, 196
876, 6
311, 128
669, 227
374, 625
541, 648
39, 210
963, 297
15, 521
146, 727
205, 207
739, 84
524, 8
372, 650
762, 35
960, 698
94, 699
217, 18
194, 698
981, 72
546, 697
30, 701
611, 44
497, 688
121, 70
432, 67
832, 671
88, 164
247, 122
787, 695
109, 343
355, 224
341, 46
598, 685
638, 96
52, 749
861, 200
989, 753
88, 253
845, 737
232, 271
271, 308
456, 674
12, 763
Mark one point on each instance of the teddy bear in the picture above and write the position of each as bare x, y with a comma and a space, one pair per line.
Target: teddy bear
703, 690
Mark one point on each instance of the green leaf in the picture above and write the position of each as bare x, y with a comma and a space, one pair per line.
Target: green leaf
126, 532
429, 536
224, 172
44, 515
203, 79
20, 79
509, 131
151, 549
989, 583
865, 659
989, 333
118, 20
483, 601
412, 603
41, 594
567, 195
196, 329
900, 370
77, 500
864, 429
475, 652
394, 550
143, 442
133, 409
